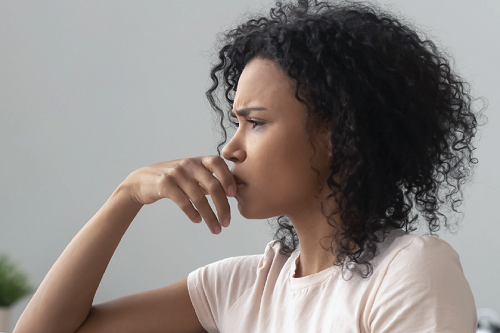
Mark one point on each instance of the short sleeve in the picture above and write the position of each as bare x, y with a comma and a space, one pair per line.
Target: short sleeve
424, 290
214, 288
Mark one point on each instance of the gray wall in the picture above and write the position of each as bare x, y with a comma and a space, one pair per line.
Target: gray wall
92, 90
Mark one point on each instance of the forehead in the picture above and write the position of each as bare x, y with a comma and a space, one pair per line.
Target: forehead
263, 83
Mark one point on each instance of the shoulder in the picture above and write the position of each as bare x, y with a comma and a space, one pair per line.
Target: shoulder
216, 287
421, 277
234, 275
426, 253
243, 265
239, 272
412, 261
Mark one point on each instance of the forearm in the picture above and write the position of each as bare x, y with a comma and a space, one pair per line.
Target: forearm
64, 298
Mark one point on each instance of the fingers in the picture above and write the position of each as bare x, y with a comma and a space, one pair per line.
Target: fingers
215, 190
224, 181
188, 182
182, 200
217, 166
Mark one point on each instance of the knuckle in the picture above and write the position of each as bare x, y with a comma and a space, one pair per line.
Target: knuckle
198, 198
185, 205
176, 172
186, 162
178, 169
167, 178
214, 186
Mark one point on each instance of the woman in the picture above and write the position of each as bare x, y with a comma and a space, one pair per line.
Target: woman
351, 130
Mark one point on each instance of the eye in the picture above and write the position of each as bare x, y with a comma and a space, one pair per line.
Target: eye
253, 122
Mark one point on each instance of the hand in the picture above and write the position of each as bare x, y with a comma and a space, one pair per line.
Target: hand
186, 182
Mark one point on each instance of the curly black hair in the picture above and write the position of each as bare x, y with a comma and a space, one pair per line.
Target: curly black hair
402, 120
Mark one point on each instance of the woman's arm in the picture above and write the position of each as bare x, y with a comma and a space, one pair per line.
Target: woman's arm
167, 309
63, 301
64, 298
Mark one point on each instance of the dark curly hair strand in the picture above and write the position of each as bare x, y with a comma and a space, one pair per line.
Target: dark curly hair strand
401, 119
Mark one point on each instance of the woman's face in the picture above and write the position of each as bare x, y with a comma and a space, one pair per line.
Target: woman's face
270, 149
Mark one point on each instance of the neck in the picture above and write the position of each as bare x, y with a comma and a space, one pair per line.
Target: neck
315, 238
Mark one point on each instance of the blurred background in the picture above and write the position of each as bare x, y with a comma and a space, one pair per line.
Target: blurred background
92, 90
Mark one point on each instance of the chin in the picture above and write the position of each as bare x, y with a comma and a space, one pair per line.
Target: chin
254, 212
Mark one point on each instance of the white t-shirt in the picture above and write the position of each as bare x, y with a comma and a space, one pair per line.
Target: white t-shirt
417, 285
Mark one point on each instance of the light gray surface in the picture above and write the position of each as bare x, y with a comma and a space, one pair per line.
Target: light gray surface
92, 90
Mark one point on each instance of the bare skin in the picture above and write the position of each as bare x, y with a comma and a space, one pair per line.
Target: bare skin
274, 157
272, 175
63, 302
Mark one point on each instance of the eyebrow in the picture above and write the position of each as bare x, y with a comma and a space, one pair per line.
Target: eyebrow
244, 112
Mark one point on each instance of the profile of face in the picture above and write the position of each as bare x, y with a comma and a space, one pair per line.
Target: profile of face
271, 150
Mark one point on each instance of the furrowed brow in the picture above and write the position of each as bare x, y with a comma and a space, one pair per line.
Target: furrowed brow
244, 112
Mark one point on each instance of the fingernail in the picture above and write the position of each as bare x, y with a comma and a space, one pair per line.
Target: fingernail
231, 191
225, 223
216, 230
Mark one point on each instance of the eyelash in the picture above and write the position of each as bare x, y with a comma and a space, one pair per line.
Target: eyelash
253, 122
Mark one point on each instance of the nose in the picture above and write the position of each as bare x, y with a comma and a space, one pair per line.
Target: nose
233, 150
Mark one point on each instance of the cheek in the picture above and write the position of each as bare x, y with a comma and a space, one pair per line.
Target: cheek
281, 175
286, 172
270, 184
296, 157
